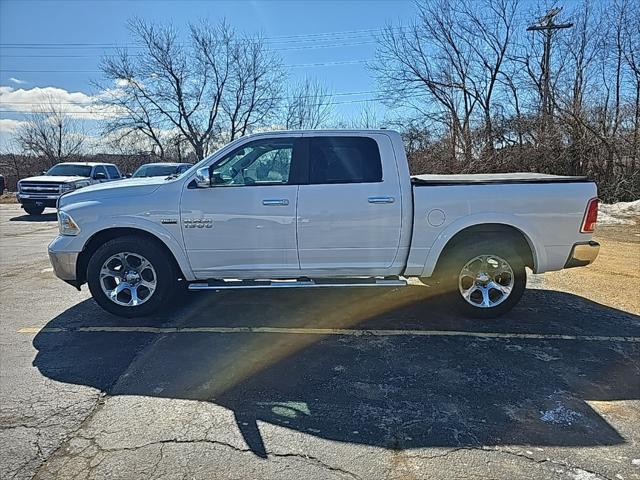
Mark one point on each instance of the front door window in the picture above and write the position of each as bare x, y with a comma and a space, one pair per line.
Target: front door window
259, 163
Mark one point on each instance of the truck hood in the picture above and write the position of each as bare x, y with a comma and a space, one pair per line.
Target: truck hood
53, 179
119, 188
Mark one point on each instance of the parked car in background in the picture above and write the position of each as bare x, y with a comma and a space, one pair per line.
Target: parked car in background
160, 169
37, 193
2, 184
321, 209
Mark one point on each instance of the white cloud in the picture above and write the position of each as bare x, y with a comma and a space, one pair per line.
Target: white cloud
76, 104
17, 81
9, 125
15, 101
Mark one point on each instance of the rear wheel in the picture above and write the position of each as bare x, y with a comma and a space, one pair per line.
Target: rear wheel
33, 209
131, 278
483, 280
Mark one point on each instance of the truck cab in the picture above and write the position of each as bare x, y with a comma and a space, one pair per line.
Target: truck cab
323, 205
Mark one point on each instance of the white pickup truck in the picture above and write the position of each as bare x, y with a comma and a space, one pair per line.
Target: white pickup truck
321, 209
36, 193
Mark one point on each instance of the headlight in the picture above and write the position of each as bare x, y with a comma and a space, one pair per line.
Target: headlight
67, 187
66, 224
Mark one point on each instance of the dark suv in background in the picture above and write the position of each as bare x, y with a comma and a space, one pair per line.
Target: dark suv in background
163, 169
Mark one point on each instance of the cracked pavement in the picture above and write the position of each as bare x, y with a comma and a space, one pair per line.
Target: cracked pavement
294, 403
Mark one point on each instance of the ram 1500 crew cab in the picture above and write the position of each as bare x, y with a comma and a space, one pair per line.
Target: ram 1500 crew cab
321, 208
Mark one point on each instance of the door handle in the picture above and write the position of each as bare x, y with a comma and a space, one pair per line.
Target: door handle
381, 200
275, 202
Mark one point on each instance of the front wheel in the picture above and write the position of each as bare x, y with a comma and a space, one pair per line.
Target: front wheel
33, 209
484, 280
130, 277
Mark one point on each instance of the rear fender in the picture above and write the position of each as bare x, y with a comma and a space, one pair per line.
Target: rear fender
529, 232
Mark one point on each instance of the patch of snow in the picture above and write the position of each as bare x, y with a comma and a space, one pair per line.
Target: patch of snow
621, 213
545, 357
560, 415
579, 474
606, 219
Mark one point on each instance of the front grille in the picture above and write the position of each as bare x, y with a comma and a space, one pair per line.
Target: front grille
42, 188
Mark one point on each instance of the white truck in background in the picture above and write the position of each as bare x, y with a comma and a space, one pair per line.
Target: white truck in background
320, 209
37, 193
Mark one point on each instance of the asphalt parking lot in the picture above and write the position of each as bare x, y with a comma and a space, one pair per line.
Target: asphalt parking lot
354, 383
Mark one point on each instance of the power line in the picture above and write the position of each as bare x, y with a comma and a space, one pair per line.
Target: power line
330, 64
378, 98
281, 49
308, 37
337, 62
107, 115
298, 65
97, 103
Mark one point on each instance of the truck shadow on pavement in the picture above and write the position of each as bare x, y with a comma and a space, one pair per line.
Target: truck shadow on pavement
379, 382
45, 217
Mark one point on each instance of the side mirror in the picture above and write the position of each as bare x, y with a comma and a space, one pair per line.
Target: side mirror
100, 176
128, 175
203, 177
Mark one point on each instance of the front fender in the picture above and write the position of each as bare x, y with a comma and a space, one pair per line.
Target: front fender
94, 217
154, 227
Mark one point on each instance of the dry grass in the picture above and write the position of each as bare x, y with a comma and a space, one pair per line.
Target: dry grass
614, 277
8, 197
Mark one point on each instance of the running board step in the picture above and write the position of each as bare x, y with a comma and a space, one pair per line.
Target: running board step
301, 283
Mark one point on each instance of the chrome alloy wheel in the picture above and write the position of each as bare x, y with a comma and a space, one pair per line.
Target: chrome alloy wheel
128, 279
486, 281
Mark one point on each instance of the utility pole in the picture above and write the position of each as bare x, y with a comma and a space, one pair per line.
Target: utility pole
547, 26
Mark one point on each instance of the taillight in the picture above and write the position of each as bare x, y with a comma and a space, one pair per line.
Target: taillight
590, 216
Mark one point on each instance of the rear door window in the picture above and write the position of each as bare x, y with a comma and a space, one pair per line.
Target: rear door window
344, 160
113, 171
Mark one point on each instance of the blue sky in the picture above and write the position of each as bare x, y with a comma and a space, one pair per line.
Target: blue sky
337, 34
54, 47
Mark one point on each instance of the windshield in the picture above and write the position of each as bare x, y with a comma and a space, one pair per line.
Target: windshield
155, 170
62, 170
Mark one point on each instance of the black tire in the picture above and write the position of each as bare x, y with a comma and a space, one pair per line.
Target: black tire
452, 284
165, 276
33, 210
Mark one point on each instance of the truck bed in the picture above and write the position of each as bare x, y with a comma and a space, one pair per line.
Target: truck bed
492, 178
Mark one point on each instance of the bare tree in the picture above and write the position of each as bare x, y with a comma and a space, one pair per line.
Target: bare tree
131, 118
255, 87
488, 31
308, 105
473, 84
447, 64
369, 116
631, 50
51, 133
210, 88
